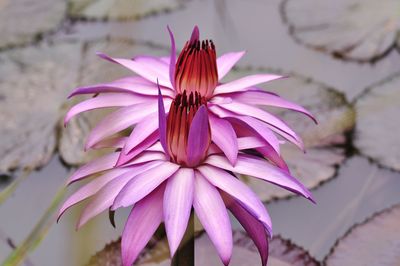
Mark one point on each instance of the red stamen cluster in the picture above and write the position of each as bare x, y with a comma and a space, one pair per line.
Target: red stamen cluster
180, 117
196, 68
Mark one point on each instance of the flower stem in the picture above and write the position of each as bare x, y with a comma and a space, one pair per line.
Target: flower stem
185, 254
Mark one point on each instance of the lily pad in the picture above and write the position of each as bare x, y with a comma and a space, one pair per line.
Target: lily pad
111, 254
34, 82
351, 29
323, 142
23, 21
378, 124
374, 242
95, 70
120, 9
281, 252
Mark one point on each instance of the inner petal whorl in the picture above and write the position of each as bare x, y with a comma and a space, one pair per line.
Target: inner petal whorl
196, 68
181, 113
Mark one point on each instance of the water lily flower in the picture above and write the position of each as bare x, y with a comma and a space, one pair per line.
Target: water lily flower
186, 157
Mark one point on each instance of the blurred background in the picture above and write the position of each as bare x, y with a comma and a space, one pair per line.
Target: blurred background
343, 59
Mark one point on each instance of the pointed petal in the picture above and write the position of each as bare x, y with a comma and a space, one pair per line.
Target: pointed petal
146, 143
147, 156
142, 222
104, 101
195, 35
98, 165
120, 120
135, 85
265, 98
260, 168
226, 61
154, 64
244, 83
250, 126
234, 187
142, 131
90, 189
105, 197
253, 227
172, 60
198, 139
273, 122
162, 122
143, 184
223, 134
141, 69
211, 211
178, 200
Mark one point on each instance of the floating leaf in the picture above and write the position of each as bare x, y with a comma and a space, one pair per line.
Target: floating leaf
378, 124
120, 9
24, 21
375, 242
351, 29
95, 70
281, 252
335, 117
34, 82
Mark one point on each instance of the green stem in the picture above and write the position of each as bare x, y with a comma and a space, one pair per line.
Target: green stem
5, 193
185, 254
38, 232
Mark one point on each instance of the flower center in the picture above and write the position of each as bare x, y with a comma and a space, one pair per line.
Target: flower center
196, 68
180, 117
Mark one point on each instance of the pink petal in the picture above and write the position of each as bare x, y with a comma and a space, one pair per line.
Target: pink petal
178, 199
135, 85
156, 147
142, 222
198, 139
211, 211
260, 168
162, 122
154, 64
90, 189
105, 197
147, 156
146, 143
265, 98
249, 126
273, 122
234, 187
226, 61
224, 136
142, 130
244, 83
195, 35
253, 227
119, 120
268, 152
106, 100
143, 184
98, 165
142, 69
172, 59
